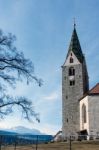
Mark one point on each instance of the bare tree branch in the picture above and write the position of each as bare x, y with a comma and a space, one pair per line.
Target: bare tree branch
24, 103
14, 67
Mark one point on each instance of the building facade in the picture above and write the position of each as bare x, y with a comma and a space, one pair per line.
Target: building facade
89, 113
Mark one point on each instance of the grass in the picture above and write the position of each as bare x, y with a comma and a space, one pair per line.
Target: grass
84, 145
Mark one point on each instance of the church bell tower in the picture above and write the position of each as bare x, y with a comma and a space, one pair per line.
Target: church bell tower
75, 84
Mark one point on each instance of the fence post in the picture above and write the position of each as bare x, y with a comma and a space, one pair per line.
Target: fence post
70, 144
0, 141
15, 142
37, 143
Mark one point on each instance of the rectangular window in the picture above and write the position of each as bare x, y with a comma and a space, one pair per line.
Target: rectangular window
71, 60
65, 77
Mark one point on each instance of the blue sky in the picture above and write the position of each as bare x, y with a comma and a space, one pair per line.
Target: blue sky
43, 29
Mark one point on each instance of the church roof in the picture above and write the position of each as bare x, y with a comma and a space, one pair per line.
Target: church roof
75, 46
93, 91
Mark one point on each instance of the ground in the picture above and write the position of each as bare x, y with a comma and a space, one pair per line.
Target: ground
83, 145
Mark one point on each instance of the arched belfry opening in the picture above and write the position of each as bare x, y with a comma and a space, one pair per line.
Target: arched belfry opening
71, 71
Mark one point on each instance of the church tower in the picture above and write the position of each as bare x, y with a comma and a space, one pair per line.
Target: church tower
75, 84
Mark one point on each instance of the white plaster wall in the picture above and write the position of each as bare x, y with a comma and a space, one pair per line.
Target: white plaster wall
76, 61
93, 115
84, 126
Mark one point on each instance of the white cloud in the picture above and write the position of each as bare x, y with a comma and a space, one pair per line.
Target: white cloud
48, 128
52, 96
3, 125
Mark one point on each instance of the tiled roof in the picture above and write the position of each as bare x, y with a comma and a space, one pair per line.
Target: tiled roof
94, 90
75, 46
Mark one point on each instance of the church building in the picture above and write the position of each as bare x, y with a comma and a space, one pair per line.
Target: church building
89, 113
80, 106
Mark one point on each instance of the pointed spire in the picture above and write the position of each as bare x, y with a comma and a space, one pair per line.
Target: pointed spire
75, 45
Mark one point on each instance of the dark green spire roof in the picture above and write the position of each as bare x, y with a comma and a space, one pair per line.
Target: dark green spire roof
75, 46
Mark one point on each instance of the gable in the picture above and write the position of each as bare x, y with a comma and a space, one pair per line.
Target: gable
73, 56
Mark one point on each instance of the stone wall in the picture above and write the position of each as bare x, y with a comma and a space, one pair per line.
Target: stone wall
70, 97
93, 115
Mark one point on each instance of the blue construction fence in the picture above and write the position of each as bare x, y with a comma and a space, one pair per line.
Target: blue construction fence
24, 139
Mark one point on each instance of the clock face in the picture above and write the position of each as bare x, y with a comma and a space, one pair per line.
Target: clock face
71, 78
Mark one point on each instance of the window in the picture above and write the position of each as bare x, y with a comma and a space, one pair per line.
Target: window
66, 97
72, 82
65, 77
71, 60
71, 71
84, 113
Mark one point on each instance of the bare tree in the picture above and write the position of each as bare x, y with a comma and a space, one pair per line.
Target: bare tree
14, 67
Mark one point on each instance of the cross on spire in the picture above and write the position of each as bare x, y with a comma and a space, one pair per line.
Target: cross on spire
74, 23
75, 45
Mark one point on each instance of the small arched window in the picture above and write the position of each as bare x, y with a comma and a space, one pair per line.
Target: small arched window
71, 60
71, 71
84, 113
